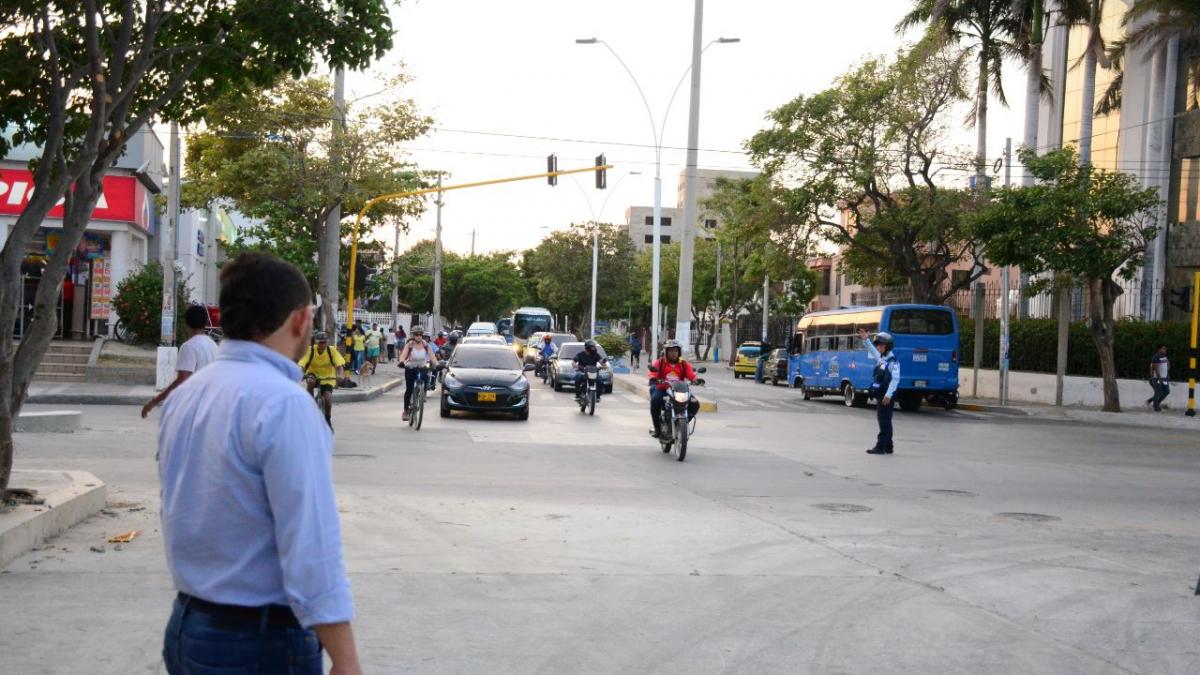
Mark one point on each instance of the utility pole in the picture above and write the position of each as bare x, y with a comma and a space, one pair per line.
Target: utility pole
330, 247
166, 352
1004, 291
683, 309
766, 306
435, 323
472, 242
717, 310
595, 266
395, 278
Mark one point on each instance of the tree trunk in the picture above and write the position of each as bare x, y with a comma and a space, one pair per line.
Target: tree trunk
1087, 107
1033, 94
1102, 294
981, 114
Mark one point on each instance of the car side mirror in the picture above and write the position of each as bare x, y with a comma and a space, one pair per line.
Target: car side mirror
528, 367
702, 369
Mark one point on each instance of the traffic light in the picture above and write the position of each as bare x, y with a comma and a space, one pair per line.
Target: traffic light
601, 174
1181, 298
552, 167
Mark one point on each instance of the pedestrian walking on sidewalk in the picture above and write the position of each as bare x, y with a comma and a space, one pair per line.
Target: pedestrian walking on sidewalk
1160, 378
197, 352
389, 339
883, 388
249, 520
635, 351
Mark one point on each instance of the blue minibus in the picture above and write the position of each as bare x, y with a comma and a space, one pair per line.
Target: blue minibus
826, 356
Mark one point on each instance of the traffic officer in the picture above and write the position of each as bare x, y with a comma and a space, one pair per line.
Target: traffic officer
883, 388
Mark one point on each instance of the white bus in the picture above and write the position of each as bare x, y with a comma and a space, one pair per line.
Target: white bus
529, 320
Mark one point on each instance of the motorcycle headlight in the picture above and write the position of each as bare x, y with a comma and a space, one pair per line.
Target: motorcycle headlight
680, 396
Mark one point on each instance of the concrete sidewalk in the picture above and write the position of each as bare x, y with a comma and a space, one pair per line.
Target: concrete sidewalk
61, 499
88, 393
1130, 416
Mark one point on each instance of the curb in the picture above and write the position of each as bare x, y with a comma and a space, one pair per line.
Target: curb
25, 528
641, 391
994, 409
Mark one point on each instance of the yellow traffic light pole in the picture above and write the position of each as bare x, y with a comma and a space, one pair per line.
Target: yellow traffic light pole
414, 193
1191, 404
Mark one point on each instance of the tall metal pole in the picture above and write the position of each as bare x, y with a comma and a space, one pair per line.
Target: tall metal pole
166, 352
437, 265
766, 306
595, 265
717, 311
331, 246
395, 278
1004, 291
683, 310
656, 251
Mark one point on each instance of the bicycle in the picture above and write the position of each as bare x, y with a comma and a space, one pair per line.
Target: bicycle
314, 387
416, 412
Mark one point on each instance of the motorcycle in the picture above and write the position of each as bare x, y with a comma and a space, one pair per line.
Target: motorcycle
543, 368
587, 395
675, 422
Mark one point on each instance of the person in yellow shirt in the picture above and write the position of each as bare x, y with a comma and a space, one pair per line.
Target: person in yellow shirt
360, 348
323, 367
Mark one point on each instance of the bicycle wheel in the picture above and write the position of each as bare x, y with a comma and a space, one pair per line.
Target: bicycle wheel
419, 413
681, 439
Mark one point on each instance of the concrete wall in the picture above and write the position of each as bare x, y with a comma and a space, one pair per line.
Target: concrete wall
1077, 391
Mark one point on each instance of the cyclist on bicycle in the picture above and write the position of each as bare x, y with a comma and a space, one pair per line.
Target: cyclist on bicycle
416, 356
322, 368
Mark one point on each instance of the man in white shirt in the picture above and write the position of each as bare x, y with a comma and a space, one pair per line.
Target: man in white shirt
197, 352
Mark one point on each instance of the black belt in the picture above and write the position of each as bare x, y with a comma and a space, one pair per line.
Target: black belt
277, 616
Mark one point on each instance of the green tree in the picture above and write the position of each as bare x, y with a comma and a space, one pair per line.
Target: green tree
481, 286
559, 272
274, 157
859, 165
93, 73
1086, 224
138, 303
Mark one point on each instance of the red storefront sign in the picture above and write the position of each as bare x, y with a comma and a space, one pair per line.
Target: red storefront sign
123, 198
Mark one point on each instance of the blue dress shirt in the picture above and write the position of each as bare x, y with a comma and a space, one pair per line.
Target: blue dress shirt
248, 511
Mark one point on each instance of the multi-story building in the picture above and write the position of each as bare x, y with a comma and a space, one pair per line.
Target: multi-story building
1154, 134
639, 220
116, 242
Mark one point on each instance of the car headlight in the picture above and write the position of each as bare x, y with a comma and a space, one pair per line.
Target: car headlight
452, 383
520, 385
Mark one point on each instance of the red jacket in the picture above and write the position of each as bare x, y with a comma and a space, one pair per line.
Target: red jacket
662, 368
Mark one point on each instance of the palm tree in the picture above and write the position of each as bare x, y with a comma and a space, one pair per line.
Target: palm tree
990, 27
1161, 21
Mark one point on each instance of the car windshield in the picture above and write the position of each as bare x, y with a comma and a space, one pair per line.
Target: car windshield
749, 351
467, 356
921, 322
559, 340
569, 351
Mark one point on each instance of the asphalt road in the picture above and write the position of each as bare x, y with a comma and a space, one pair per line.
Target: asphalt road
570, 544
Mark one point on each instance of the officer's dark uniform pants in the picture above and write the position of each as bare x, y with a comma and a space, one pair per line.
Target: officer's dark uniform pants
883, 413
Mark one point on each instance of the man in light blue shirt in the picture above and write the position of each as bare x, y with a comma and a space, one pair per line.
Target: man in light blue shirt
883, 388
248, 512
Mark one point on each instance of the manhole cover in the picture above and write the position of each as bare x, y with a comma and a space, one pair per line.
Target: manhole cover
1029, 517
952, 493
348, 455
843, 508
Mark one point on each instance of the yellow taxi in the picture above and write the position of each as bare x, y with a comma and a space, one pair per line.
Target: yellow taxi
746, 363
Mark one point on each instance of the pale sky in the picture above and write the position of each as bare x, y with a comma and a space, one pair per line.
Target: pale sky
511, 74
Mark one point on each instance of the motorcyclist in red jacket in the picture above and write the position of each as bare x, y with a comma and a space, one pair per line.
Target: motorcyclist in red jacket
664, 372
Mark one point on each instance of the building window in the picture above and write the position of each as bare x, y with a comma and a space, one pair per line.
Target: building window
650, 221
959, 277
710, 224
824, 276
666, 238
649, 239
666, 222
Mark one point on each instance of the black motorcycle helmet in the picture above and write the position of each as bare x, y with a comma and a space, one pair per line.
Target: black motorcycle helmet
591, 346
454, 337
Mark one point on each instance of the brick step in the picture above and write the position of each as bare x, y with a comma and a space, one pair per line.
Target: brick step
65, 358
61, 368
58, 377
69, 348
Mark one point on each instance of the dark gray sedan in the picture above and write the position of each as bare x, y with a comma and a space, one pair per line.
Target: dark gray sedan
485, 378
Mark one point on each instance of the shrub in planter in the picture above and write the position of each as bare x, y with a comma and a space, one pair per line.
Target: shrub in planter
138, 303
614, 345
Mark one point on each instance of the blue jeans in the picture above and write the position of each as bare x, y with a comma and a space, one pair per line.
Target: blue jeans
197, 643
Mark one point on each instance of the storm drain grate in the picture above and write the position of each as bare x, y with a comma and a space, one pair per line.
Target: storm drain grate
1029, 517
952, 493
842, 508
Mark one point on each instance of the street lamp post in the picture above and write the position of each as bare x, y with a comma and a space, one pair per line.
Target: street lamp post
596, 233
657, 132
